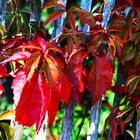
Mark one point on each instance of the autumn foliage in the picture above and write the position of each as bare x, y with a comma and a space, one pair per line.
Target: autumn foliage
46, 71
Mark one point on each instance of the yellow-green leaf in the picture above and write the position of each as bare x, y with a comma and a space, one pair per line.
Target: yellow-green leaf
7, 115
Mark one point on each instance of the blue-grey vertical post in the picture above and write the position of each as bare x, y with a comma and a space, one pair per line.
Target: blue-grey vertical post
137, 132
58, 24
35, 15
0, 11
86, 5
3, 11
67, 122
108, 6
95, 110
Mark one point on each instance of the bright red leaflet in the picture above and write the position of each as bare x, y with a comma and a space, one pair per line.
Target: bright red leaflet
54, 16
65, 89
76, 74
31, 108
40, 85
3, 71
54, 104
18, 56
85, 17
11, 43
54, 3
99, 78
17, 85
71, 21
1, 90
120, 89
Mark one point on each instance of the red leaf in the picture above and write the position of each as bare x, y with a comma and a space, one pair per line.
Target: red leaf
54, 16
109, 106
25, 113
76, 74
52, 72
54, 3
41, 41
138, 88
122, 124
71, 20
134, 100
106, 122
99, 78
32, 45
54, 104
53, 47
31, 108
45, 91
32, 64
113, 127
121, 5
120, 89
1, 90
85, 17
65, 89
10, 43
18, 56
3, 71
17, 85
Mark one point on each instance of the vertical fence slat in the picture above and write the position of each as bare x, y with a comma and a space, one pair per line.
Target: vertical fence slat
137, 132
67, 122
95, 110
58, 24
94, 121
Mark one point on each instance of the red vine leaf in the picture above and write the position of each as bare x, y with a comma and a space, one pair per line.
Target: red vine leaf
31, 108
17, 85
113, 126
32, 64
54, 3
18, 56
3, 71
120, 89
54, 16
54, 104
85, 17
11, 43
65, 89
71, 21
1, 90
76, 74
32, 45
99, 78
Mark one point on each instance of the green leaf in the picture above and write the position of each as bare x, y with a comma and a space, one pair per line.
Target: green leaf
124, 112
130, 116
133, 85
129, 52
132, 82
8, 130
131, 133
7, 115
